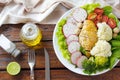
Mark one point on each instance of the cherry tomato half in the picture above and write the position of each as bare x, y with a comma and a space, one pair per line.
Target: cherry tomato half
92, 16
98, 11
111, 23
99, 17
104, 18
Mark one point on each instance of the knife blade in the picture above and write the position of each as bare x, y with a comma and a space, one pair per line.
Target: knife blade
47, 65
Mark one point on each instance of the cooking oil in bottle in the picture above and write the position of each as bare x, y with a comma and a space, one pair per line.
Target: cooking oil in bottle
31, 35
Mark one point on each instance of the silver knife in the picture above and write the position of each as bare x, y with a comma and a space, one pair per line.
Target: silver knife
47, 65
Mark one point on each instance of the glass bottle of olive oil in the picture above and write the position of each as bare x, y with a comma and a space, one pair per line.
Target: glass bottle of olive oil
31, 35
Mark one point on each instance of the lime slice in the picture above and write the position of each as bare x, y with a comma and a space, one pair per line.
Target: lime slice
13, 68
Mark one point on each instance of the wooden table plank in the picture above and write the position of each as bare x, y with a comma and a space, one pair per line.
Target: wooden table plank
12, 31
61, 75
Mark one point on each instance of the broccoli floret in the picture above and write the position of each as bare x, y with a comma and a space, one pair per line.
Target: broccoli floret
101, 62
89, 65
94, 64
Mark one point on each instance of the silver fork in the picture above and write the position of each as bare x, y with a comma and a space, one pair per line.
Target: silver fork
31, 62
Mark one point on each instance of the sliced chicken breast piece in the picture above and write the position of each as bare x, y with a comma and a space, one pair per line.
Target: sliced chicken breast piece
79, 14
72, 38
69, 29
70, 19
75, 56
80, 60
73, 46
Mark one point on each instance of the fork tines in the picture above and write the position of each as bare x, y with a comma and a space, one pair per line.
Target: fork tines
31, 55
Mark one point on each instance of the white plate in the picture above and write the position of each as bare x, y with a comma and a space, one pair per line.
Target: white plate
65, 62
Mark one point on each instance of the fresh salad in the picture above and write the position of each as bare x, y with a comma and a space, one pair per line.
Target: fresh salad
89, 38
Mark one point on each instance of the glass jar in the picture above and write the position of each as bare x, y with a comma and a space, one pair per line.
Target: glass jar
31, 35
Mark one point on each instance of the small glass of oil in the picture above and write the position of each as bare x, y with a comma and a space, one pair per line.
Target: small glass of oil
31, 35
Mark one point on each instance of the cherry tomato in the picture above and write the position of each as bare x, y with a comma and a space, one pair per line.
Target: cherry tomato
104, 18
99, 17
111, 23
92, 16
98, 11
96, 23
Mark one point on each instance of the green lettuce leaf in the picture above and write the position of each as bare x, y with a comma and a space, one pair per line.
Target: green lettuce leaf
90, 7
115, 56
107, 10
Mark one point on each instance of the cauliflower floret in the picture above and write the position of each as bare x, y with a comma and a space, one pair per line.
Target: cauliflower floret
104, 31
101, 48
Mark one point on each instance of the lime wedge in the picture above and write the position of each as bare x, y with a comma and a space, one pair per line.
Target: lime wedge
13, 68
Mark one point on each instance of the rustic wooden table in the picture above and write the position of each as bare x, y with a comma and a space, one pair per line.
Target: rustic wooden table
58, 71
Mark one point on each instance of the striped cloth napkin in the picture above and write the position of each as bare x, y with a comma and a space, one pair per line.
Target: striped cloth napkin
43, 11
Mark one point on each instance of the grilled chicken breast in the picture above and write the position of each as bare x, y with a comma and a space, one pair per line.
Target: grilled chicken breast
88, 35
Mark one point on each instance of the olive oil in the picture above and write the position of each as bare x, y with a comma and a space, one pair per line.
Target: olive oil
31, 35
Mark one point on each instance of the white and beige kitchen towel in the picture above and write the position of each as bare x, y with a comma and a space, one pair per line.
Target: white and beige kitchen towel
43, 11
